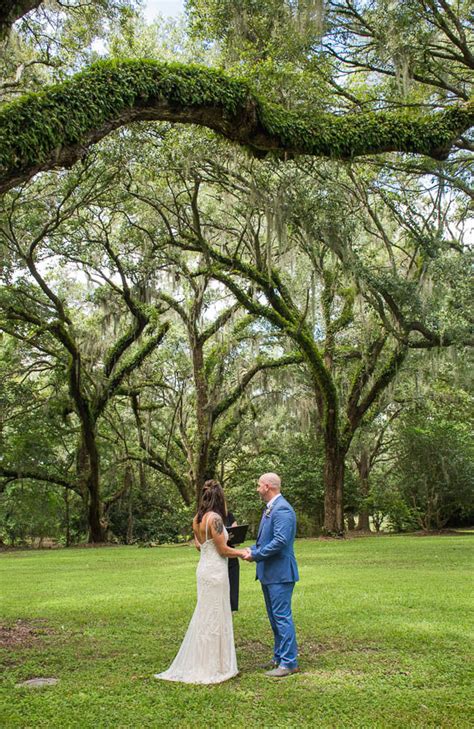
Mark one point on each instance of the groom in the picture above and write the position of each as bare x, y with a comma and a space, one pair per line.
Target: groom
277, 572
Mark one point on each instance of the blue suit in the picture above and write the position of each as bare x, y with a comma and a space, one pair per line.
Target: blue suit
277, 571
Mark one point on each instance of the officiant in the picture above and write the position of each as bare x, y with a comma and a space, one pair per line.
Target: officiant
234, 569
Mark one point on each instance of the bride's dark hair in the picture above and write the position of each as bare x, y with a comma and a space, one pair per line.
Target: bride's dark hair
212, 499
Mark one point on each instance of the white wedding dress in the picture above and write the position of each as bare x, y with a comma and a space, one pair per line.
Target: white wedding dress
207, 653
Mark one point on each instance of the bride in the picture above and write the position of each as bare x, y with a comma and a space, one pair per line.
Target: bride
207, 653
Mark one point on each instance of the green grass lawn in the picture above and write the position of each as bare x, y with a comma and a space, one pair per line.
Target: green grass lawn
383, 627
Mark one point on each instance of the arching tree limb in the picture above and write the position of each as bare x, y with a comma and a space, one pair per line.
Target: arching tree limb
18, 474
54, 127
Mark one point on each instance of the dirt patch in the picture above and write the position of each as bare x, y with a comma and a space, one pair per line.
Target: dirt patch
255, 645
22, 633
253, 654
311, 649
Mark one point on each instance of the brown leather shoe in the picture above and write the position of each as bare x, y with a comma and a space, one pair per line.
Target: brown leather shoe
281, 672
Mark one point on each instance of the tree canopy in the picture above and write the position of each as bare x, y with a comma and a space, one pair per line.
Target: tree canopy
234, 243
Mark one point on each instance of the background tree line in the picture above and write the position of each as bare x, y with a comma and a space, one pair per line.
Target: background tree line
174, 309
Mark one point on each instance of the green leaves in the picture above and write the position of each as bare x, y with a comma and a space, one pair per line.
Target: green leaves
42, 130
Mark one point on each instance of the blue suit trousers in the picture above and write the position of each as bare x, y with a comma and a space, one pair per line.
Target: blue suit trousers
278, 603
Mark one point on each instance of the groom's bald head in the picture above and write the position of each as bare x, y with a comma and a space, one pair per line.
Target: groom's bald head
272, 479
269, 485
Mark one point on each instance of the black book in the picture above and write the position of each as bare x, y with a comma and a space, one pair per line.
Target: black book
237, 534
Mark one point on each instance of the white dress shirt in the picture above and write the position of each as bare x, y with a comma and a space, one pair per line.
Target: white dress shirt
272, 501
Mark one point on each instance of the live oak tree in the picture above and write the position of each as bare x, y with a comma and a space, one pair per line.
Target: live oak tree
208, 394
33, 440
219, 362
101, 235
370, 448
352, 353
36, 311
54, 128
307, 95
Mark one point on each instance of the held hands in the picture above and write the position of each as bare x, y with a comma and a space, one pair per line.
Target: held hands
245, 554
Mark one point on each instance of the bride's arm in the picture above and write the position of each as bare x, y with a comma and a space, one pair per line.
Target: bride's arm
217, 532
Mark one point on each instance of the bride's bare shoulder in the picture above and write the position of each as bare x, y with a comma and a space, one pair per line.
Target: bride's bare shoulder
215, 522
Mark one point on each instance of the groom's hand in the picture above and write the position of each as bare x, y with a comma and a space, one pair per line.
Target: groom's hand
247, 556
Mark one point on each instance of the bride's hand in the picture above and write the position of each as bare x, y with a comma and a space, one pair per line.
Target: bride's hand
245, 554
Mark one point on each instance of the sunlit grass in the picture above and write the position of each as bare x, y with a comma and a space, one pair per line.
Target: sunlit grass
383, 626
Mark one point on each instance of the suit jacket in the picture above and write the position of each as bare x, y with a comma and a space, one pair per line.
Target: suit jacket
273, 551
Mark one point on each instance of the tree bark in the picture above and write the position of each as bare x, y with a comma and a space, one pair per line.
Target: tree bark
203, 470
67, 518
12, 10
363, 466
97, 531
334, 468
203, 413
88, 473
128, 484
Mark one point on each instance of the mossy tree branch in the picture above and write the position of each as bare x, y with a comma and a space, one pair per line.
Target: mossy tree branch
133, 363
233, 396
18, 474
54, 127
162, 466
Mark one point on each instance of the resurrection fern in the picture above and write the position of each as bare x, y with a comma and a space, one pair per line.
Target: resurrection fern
54, 127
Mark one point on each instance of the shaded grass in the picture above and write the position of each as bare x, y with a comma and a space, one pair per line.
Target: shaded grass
383, 627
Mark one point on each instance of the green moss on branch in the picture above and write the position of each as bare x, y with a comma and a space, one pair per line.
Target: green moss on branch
54, 127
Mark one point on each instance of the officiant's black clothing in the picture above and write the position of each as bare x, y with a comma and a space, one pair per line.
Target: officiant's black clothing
234, 571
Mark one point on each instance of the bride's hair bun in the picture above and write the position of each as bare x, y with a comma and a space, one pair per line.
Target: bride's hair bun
212, 499
210, 485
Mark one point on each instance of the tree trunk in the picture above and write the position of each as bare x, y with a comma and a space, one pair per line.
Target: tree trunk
67, 518
129, 483
377, 519
88, 476
97, 530
363, 466
204, 470
200, 470
334, 467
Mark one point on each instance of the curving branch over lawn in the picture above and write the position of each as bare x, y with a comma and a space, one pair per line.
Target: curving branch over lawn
54, 127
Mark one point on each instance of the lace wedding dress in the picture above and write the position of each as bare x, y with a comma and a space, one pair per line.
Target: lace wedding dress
207, 653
